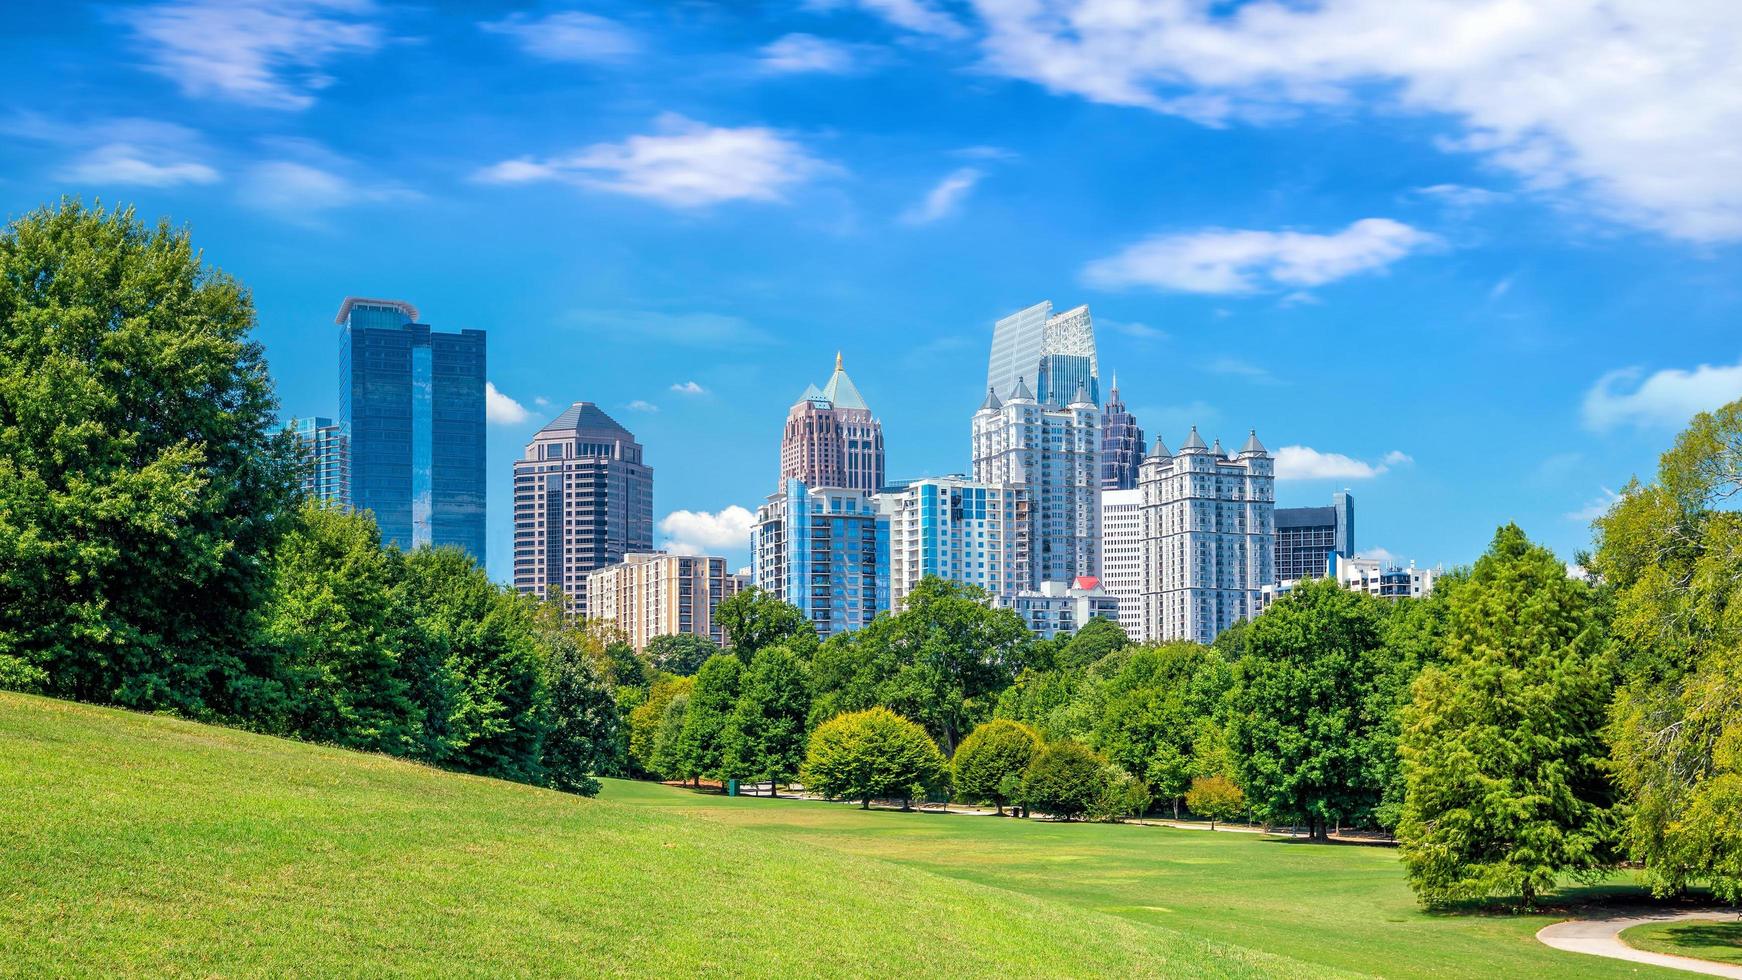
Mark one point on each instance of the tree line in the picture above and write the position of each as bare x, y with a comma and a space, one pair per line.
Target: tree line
1518, 727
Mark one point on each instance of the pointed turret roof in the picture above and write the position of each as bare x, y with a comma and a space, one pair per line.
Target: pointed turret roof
584, 415
1159, 449
1217, 450
1081, 397
1252, 444
1193, 441
840, 391
1021, 393
991, 403
811, 393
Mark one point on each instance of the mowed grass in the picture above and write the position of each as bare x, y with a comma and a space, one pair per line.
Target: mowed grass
1720, 941
1337, 907
132, 844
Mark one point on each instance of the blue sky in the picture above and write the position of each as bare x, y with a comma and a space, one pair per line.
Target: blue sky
1474, 261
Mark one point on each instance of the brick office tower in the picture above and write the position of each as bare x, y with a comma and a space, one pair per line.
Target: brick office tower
831, 438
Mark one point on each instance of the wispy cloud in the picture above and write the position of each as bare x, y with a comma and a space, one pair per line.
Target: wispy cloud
272, 54
131, 164
797, 54
688, 388
1461, 196
1667, 398
698, 532
499, 409
640, 405
1229, 261
1237, 368
568, 35
1306, 463
944, 199
685, 164
1595, 508
1132, 329
120, 151
302, 192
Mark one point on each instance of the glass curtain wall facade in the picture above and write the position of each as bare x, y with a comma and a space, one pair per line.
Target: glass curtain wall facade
1121, 444
824, 550
327, 458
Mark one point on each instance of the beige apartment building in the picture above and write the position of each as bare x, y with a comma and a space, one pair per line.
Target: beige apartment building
653, 594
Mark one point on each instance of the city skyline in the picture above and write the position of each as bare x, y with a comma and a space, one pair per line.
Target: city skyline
1466, 308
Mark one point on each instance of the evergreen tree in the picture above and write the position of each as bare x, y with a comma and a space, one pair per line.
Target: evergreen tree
765, 737
1502, 746
701, 749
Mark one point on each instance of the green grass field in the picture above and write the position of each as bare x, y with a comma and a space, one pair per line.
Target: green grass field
1720, 941
136, 844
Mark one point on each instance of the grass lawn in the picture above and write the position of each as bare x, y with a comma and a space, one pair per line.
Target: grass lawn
1720, 941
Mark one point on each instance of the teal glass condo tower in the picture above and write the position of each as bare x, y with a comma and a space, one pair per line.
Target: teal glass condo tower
411, 406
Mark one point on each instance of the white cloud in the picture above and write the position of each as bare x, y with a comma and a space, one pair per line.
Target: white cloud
944, 199
499, 409
685, 164
297, 191
697, 532
1462, 196
640, 405
1667, 398
1634, 105
918, 16
541, 402
569, 35
1306, 463
1235, 367
689, 388
1133, 329
1595, 508
806, 53
1380, 555
127, 163
1234, 261
266, 53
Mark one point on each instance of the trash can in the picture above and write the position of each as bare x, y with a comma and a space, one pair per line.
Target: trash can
731, 787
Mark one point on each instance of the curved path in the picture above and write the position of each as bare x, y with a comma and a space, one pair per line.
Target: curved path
1601, 937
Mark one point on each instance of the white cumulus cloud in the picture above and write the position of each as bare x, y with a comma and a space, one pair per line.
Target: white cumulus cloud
127, 163
796, 54
944, 199
499, 409
1667, 398
688, 388
568, 35
1238, 261
685, 164
1307, 463
697, 532
642, 405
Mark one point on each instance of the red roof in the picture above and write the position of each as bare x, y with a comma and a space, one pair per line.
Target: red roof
1087, 582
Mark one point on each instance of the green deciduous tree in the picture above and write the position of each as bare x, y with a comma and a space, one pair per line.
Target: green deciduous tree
701, 749
680, 653
144, 478
1065, 780
1153, 711
1215, 797
667, 759
756, 618
584, 724
1095, 640
1502, 746
765, 737
646, 718
989, 763
872, 754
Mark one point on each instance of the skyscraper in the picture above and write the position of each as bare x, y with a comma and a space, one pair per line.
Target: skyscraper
1208, 537
1056, 352
1309, 540
831, 438
1055, 455
958, 529
583, 498
411, 403
1122, 555
326, 453
1121, 444
824, 550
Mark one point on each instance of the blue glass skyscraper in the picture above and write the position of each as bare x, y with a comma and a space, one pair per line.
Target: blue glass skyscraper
411, 404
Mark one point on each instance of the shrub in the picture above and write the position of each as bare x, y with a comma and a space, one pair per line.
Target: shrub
873, 754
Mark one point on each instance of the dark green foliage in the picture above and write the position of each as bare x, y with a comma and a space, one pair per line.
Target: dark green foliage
1065, 780
646, 719
756, 618
1502, 749
680, 653
667, 758
701, 748
1154, 709
1122, 795
1415, 635
765, 738
1095, 640
143, 475
989, 763
1306, 717
584, 720
1043, 700
872, 754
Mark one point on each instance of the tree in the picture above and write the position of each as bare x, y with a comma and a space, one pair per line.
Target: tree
1122, 795
144, 476
1095, 640
987, 759
701, 749
1502, 746
1303, 722
1153, 710
872, 754
646, 719
680, 653
756, 618
1065, 780
1415, 635
1215, 797
667, 759
1672, 550
584, 721
765, 738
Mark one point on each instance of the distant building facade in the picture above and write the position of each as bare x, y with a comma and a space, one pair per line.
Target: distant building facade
411, 405
1121, 444
1063, 608
1122, 555
1208, 537
1387, 581
957, 529
1054, 354
1309, 540
652, 594
824, 550
1055, 455
326, 456
832, 439
583, 499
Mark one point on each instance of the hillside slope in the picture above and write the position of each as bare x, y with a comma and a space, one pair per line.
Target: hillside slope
131, 843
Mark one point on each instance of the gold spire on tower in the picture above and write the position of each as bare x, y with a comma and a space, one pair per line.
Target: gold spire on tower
838, 360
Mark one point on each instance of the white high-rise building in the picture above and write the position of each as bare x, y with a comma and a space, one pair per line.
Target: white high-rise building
957, 529
1209, 537
1053, 355
1122, 555
1055, 455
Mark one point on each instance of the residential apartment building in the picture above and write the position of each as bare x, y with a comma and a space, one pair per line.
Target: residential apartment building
824, 550
957, 529
583, 499
1387, 581
411, 407
1209, 537
326, 458
652, 594
831, 438
1122, 555
1062, 608
1309, 540
1055, 455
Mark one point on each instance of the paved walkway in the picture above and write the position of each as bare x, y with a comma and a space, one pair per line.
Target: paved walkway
1599, 937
